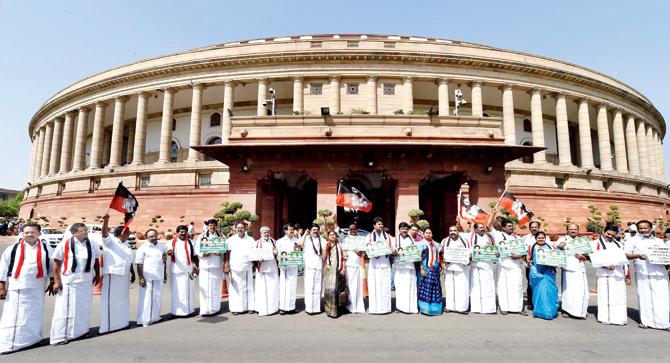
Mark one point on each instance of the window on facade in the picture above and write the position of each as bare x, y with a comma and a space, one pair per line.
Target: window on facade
174, 151
352, 44
352, 88
560, 183
95, 185
205, 180
316, 89
315, 44
527, 125
174, 124
144, 181
389, 45
215, 119
61, 188
389, 89
39, 191
213, 141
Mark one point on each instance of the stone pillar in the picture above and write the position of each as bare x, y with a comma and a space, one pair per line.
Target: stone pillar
538, 124
477, 107
166, 125
326, 187
408, 95
651, 153
139, 145
226, 122
334, 95
66, 149
443, 96
298, 89
79, 162
657, 156
33, 154
40, 154
116, 147
631, 146
48, 139
196, 120
619, 142
106, 148
661, 159
562, 131
262, 94
604, 139
585, 134
56, 146
130, 148
509, 126
98, 137
372, 95
642, 149
407, 193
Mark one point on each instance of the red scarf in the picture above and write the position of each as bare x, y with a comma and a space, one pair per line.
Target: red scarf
259, 244
40, 270
431, 253
340, 266
67, 256
174, 253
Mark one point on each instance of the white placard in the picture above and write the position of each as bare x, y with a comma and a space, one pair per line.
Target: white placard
261, 254
658, 255
457, 255
610, 257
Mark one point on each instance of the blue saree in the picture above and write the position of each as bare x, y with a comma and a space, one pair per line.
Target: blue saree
429, 288
545, 291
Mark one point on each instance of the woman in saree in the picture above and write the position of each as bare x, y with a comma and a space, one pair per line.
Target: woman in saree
334, 280
429, 287
543, 281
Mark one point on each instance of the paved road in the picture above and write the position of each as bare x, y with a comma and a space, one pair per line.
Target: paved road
393, 337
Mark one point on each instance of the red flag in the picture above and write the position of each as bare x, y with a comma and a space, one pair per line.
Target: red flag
124, 202
515, 207
471, 212
352, 198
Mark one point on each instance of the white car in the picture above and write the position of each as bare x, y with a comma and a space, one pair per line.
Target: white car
95, 234
51, 236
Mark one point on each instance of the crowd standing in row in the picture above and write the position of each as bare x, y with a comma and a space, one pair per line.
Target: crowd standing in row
330, 273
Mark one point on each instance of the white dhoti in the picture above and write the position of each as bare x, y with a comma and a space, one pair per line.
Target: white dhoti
241, 291
457, 290
482, 291
209, 290
355, 285
379, 290
653, 300
288, 283
181, 291
149, 302
21, 322
72, 312
405, 291
575, 291
312, 290
612, 300
115, 302
266, 293
510, 289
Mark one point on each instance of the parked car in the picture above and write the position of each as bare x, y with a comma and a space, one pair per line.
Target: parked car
95, 234
51, 236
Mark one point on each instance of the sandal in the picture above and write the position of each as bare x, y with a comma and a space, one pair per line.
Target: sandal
565, 315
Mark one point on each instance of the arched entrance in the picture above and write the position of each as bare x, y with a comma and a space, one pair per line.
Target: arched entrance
438, 193
379, 189
286, 197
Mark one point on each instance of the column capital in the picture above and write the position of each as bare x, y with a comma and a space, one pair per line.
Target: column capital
59, 119
71, 113
102, 104
506, 87
371, 77
476, 84
535, 91
123, 99
83, 109
407, 79
198, 86
583, 100
558, 95
298, 78
169, 90
334, 77
603, 105
229, 83
144, 94
442, 80
262, 80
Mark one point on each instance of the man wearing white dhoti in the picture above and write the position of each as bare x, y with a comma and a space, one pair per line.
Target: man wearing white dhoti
24, 269
379, 274
611, 283
210, 278
312, 245
529, 241
574, 285
406, 299
354, 275
241, 289
152, 273
184, 267
482, 280
652, 280
76, 270
288, 276
456, 276
117, 275
510, 274
266, 290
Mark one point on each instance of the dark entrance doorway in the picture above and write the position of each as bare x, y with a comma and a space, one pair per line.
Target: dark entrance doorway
380, 190
286, 197
437, 198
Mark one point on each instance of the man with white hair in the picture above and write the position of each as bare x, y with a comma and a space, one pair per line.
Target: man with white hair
151, 270
288, 277
574, 285
236, 261
267, 277
184, 267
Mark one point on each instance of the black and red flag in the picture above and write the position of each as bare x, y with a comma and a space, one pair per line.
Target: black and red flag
515, 207
352, 198
470, 212
125, 202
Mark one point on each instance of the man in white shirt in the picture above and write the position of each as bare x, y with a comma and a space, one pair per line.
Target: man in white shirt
354, 273
236, 261
313, 245
152, 273
529, 240
288, 277
379, 274
211, 272
24, 269
184, 267
406, 299
76, 270
482, 278
510, 273
651, 280
457, 276
574, 285
117, 275
266, 290
611, 283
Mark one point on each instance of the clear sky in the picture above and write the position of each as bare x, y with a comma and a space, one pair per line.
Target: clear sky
47, 45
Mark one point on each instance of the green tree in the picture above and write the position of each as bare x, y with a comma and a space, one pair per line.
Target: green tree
10, 208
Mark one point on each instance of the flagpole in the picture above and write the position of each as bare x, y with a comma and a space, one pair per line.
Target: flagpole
499, 199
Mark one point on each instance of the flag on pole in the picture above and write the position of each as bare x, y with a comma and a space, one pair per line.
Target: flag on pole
124, 202
352, 198
515, 207
470, 212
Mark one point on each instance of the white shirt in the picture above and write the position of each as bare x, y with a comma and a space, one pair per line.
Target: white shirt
572, 262
117, 256
211, 262
460, 242
381, 261
150, 256
267, 265
529, 240
403, 242
239, 252
640, 244
81, 254
312, 258
28, 276
180, 266
473, 240
619, 271
506, 262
